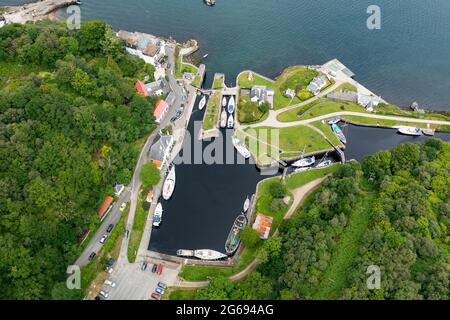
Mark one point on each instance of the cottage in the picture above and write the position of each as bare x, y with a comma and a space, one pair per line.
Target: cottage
290, 93
317, 84
158, 87
368, 102
118, 189
105, 207
263, 224
261, 94
160, 150
160, 111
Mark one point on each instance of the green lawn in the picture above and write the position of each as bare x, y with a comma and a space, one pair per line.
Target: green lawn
137, 231
297, 180
196, 82
182, 294
212, 112
11, 73
181, 68
292, 77
326, 129
248, 112
218, 82
346, 87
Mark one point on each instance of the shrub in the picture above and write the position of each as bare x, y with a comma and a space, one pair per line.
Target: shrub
277, 189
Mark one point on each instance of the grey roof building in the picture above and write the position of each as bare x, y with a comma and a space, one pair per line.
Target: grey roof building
317, 84
261, 94
160, 150
158, 87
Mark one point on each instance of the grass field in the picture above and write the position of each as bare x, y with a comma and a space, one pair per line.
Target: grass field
384, 122
212, 112
326, 129
137, 231
196, 82
218, 82
11, 73
182, 294
181, 68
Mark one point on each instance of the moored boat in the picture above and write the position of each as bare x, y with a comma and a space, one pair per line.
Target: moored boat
169, 184
231, 105
157, 216
230, 122
410, 131
223, 119
234, 238
334, 121
302, 169
202, 103
224, 101
324, 164
207, 254
338, 132
241, 148
185, 253
305, 162
246, 204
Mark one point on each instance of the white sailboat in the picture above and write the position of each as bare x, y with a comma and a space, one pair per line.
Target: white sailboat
207, 254
302, 169
410, 131
305, 162
185, 253
230, 122
157, 216
202, 103
324, 164
240, 147
169, 184
231, 105
223, 119
224, 102
246, 204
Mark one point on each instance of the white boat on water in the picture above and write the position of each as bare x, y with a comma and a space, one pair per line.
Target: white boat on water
223, 119
246, 204
240, 147
224, 102
185, 253
157, 216
230, 122
206, 254
169, 184
202, 103
324, 164
305, 162
410, 131
334, 121
231, 105
302, 169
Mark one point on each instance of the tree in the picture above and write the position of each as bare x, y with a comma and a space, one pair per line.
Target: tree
277, 189
219, 288
250, 238
150, 175
264, 107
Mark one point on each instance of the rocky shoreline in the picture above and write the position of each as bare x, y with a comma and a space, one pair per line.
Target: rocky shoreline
35, 11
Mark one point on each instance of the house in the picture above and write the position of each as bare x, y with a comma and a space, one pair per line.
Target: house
368, 102
261, 94
118, 189
160, 150
317, 84
160, 111
343, 96
140, 87
146, 46
263, 224
290, 93
105, 207
158, 87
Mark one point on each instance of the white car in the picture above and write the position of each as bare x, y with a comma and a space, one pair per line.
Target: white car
110, 283
123, 206
103, 239
104, 294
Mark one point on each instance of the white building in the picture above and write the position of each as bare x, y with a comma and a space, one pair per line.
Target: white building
261, 94
317, 84
368, 102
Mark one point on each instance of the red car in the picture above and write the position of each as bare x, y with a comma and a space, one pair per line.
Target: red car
159, 269
156, 296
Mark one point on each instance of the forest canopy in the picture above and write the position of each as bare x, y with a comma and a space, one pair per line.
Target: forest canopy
69, 123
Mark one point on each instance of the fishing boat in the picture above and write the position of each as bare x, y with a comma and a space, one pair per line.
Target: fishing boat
338, 132
240, 147
324, 164
202, 103
223, 119
230, 122
224, 102
207, 254
185, 253
234, 238
410, 131
157, 216
305, 162
334, 121
231, 105
302, 169
246, 204
169, 184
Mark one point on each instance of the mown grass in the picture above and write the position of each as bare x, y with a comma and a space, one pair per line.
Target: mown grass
386, 122
140, 219
181, 68
299, 179
218, 82
212, 112
182, 294
326, 129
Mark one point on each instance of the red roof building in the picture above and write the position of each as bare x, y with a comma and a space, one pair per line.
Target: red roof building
263, 224
105, 207
140, 87
160, 110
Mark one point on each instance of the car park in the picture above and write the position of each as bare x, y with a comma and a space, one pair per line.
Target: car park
155, 266
92, 256
110, 227
156, 296
103, 239
162, 285
144, 266
159, 269
110, 283
159, 290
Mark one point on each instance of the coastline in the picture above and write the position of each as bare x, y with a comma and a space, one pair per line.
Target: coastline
35, 11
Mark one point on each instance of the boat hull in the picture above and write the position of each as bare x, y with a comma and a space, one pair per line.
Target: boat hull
223, 119
306, 162
169, 184
202, 103
230, 122
234, 238
410, 131
206, 254
231, 105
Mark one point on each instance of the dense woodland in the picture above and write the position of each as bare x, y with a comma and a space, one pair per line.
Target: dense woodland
393, 211
71, 125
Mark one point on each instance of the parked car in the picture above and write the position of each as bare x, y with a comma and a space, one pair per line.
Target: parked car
123, 206
110, 283
156, 296
126, 234
159, 290
110, 262
162, 285
92, 256
155, 266
159, 269
176, 116
144, 266
110, 227
104, 294
103, 239
109, 269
